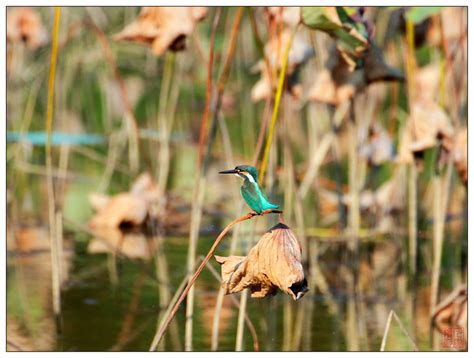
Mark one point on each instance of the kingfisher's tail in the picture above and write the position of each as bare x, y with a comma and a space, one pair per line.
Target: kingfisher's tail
272, 206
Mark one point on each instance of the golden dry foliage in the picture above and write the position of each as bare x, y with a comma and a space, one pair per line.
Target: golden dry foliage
130, 208
163, 28
339, 81
459, 151
274, 262
300, 52
378, 147
426, 125
29, 239
452, 311
24, 25
289, 15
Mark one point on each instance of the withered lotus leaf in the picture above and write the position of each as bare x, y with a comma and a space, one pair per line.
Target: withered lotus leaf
459, 152
24, 25
452, 311
274, 262
300, 52
289, 15
129, 207
426, 124
121, 208
163, 28
338, 82
378, 147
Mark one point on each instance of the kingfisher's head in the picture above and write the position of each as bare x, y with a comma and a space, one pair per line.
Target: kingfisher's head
244, 171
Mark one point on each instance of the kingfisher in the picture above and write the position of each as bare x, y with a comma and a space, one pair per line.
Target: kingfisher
250, 190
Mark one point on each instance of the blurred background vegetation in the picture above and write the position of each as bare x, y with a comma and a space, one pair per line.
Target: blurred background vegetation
368, 160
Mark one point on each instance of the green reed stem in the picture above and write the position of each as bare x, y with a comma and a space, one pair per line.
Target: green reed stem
49, 128
276, 107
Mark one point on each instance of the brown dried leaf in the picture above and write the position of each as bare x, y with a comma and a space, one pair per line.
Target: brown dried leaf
300, 52
426, 124
274, 262
98, 201
452, 311
30, 239
123, 208
339, 81
289, 15
24, 25
163, 28
131, 208
378, 147
427, 82
459, 152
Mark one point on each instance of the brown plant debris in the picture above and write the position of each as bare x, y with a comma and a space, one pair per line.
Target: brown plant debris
24, 25
459, 151
137, 206
274, 262
378, 147
426, 126
452, 311
339, 82
163, 28
124, 208
289, 15
300, 52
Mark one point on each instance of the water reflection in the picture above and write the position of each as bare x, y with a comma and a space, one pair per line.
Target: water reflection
118, 285
31, 325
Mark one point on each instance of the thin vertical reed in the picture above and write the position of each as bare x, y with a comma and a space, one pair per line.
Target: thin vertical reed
51, 202
412, 218
240, 321
441, 196
276, 107
354, 211
130, 119
194, 277
198, 192
412, 181
391, 315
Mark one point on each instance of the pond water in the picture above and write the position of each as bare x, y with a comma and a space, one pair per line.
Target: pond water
112, 302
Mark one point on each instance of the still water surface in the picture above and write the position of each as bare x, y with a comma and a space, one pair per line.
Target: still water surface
112, 302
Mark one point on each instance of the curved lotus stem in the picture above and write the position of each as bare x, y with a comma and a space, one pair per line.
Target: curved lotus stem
191, 281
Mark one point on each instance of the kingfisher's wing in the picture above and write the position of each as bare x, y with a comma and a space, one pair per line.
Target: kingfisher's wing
251, 194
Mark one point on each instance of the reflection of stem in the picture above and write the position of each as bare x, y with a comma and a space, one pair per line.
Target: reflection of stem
129, 318
402, 327
154, 343
201, 267
112, 268
240, 321
248, 322
242, 310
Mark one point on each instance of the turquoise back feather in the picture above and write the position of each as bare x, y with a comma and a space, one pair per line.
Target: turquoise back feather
255, 198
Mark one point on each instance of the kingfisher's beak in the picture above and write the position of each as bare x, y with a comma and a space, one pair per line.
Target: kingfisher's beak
232, 171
